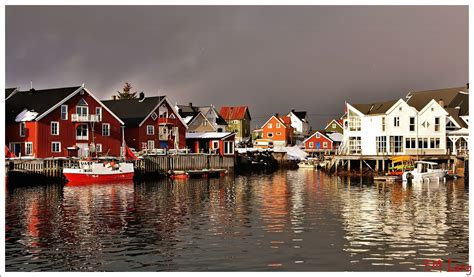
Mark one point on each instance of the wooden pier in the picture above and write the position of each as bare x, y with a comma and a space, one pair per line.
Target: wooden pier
36, 171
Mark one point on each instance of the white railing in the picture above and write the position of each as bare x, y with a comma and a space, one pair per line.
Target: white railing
85, 118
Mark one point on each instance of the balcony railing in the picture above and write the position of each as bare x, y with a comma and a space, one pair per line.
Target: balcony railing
85, 118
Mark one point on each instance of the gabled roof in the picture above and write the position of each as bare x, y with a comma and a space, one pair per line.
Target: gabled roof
209, 135
454, 114
132, 111
40, 101
301, 115
452, 97
234, 113
335, 121
374, 108
321, 133
189, 110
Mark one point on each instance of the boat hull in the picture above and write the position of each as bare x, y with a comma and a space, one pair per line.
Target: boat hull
98, 178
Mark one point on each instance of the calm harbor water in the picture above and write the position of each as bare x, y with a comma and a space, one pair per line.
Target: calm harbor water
302, 220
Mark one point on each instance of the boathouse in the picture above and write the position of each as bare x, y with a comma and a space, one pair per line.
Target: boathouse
60, 122
222, 143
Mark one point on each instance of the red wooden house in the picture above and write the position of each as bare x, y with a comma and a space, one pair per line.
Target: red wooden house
150, 122
279, 130
61, 122
318, 142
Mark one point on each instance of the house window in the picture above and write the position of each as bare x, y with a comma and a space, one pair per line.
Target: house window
28, 148
396, 144
163, 111
151, 144
436, 125
144, 145
154, 116
278, 133
106, 129
98, 113
150, 130
98, 148
432, 143
55, 147
317, 135
425, 143
82, 132
325, 144
354, 123
355, 145
205, 123
163, 131
410, 143
381, 143
396, 121
215, 144
54, 128
278, 125
22, 129
420, 143
269, 125
82, 110
228, 147
437, 144
334, 125
412, 124
383, 124
311, 144
270, 135
64, 112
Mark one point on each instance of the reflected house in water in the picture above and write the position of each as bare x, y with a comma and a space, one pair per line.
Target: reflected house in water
60, 122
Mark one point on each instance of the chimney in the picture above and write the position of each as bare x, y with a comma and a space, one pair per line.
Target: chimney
114, 97
293, 110
31, 91
277, 114
191, 104
441, 102
141, 97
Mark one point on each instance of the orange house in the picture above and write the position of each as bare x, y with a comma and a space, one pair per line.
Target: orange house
279, 130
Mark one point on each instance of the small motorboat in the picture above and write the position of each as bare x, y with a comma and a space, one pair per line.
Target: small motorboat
306, 164
425, 171
90, 171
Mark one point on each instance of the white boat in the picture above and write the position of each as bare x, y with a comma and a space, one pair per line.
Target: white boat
306, 164
88, 171
425, 171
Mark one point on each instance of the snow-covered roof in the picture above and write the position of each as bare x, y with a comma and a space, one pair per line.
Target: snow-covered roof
293, 153
26, 115
188, 118
208, 135
335, 136
462, 131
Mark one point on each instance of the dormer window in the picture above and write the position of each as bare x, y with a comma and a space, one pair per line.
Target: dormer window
163, 111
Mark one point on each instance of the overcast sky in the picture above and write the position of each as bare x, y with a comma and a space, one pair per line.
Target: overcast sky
272, 59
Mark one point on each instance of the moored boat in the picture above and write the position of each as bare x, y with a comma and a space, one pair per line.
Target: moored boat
87, 171
306, 164
424, 171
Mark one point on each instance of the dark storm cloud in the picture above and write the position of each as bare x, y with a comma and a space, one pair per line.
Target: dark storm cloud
270, 58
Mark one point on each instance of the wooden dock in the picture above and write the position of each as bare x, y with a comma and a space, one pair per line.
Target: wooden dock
35, 171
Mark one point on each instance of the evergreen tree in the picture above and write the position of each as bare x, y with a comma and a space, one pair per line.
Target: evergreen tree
126, 92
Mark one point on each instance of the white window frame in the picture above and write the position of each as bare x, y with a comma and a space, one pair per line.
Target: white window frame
108, 129
144, 145
269, 126
334, 125
28, 153
325, 144
226, 147
55, 143
98, 147
51, 128
65, 113
86, 137
214, 146
412, 125
148, 130
150, 144
270, 134
278, 125
311, 144
381, 144
98, 113
437, 126
81, 108
154, 116
396, 121
278, 133
22, 129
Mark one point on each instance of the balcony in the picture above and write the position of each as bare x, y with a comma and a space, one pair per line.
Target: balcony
85, 118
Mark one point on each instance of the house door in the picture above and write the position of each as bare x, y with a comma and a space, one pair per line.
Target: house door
318, 145
83, 150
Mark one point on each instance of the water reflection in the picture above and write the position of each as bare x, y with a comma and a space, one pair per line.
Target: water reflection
289, 220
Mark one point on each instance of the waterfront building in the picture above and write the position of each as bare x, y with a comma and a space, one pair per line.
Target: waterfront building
299, 122
278, 129
60, 122
202, 118
318, 142
238, 119
150, 122
334, 126
222, 143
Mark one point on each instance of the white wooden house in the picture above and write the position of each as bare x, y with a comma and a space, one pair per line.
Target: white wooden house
299, 122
